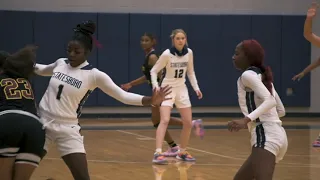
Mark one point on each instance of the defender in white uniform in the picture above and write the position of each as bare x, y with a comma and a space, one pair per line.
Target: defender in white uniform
176, 63
266, 118
72, 81
175, 69
68, 89
262, 108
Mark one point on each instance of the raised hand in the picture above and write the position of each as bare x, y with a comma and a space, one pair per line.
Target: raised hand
312, 11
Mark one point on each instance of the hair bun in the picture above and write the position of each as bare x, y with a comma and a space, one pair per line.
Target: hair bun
87, 27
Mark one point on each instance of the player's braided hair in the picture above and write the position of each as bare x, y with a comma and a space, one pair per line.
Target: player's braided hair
83, 33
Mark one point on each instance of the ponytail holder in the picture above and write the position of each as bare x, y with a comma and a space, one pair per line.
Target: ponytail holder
96, 42
262, 68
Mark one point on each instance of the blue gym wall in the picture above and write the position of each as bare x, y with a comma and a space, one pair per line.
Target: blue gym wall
212, 38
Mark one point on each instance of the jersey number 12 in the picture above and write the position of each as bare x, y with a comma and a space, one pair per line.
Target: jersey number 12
178, 73
60, 87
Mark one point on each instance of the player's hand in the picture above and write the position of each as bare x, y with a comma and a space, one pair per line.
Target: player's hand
236, 125
199, 94
126, 86
158, 96
312, 11
298, 76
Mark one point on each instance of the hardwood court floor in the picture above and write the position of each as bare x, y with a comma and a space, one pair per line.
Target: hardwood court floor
127, 154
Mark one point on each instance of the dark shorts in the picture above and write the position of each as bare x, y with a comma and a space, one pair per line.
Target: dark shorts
22, 137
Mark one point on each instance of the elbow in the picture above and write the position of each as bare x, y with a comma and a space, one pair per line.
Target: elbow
271, 101
307, 36
282, 113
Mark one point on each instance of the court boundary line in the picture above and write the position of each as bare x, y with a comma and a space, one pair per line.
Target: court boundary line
196, 164
217, 154
195, 149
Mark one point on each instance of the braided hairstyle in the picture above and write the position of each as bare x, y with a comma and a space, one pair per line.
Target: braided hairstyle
83, 33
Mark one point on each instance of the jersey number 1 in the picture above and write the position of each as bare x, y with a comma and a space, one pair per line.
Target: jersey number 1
59, 91
178, 73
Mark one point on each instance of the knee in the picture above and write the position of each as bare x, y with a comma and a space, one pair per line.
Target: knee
187, 124
164, 122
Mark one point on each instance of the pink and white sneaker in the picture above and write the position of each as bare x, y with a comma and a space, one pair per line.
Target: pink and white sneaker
198, 128
171, 152
316, 143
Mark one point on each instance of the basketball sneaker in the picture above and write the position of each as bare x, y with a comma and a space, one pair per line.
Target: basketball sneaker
185, 156
198, 128
171, 152
316, 143
159, 158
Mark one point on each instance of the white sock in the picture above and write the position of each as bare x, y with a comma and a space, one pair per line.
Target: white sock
158, 150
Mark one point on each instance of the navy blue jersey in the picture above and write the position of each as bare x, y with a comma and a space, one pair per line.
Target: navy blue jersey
16, 93
146, 68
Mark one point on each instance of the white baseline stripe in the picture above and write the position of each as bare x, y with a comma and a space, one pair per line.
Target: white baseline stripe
223, 156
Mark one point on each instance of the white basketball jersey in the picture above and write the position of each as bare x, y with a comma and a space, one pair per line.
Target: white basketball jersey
67, 91
250, 100
175, 69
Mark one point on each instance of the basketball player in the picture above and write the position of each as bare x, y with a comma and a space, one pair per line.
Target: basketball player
72, 81
21, 135
262, 109
148, 43
315, 40
176, 62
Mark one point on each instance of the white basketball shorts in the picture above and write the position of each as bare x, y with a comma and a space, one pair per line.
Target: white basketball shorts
272, 137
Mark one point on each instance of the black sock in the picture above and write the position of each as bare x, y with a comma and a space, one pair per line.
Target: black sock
172, 144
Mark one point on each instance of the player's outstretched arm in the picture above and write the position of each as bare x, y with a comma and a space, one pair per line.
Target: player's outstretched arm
308, 69
308, 34
47, 70
135, 82
106, 84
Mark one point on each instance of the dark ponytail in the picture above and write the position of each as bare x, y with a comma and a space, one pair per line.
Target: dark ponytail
255, 54
267, 77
